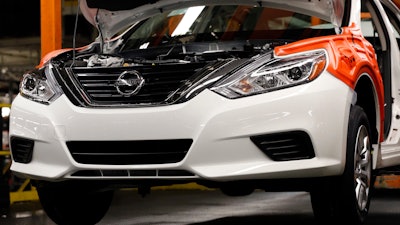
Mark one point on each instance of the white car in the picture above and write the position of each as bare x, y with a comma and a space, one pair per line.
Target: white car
237, 95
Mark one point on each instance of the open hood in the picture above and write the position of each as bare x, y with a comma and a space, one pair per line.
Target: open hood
119, 4
111, 17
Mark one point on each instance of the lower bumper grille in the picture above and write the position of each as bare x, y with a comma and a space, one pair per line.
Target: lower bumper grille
129, 152
133, 173
285, 146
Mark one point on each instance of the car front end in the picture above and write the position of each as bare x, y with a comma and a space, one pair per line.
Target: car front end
177, 98
289, 132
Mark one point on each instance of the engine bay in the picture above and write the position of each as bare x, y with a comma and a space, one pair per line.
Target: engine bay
200, 52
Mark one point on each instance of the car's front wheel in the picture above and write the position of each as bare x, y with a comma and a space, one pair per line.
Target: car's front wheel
347, 197
74, 205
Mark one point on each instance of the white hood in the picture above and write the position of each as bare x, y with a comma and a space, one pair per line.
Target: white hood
111, 16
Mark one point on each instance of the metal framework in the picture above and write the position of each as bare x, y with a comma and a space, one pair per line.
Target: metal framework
51, 25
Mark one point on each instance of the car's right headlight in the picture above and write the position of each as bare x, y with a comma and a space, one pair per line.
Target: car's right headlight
39, 86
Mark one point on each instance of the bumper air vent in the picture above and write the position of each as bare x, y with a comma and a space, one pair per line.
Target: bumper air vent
21, 149
285, 146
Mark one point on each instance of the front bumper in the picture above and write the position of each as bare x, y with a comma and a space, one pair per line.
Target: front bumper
219, 128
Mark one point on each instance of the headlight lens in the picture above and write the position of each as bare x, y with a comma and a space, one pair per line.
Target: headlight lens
270, 74
39, 86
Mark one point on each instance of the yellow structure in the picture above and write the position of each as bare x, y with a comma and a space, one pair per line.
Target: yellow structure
25, 192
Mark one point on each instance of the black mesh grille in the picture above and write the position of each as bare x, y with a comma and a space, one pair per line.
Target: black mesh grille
285, 146
129, 152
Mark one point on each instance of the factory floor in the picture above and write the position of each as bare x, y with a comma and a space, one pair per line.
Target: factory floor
210, 207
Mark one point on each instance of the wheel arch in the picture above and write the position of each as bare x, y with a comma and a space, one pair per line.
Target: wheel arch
368, 100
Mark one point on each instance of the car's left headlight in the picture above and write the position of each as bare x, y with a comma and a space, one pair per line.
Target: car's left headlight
272, 73
39, 86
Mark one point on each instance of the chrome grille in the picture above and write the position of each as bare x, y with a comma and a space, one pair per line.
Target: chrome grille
98, 84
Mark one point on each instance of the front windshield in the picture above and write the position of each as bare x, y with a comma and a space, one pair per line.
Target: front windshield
222, 23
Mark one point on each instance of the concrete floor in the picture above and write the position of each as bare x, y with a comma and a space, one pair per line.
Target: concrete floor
211, 207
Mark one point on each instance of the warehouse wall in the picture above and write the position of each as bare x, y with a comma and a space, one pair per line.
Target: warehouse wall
20, 18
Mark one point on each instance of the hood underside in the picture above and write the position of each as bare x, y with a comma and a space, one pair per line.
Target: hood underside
111, 17
117, 5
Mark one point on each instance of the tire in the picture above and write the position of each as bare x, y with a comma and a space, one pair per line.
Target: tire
74, 205
346, 198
